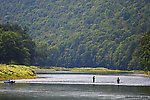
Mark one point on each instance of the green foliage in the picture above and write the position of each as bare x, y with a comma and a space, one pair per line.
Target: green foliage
16, 71
75, 33
148, 72
16, 47
85, 69
144, 52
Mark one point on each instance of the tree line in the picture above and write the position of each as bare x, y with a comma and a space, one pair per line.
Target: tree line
16, 46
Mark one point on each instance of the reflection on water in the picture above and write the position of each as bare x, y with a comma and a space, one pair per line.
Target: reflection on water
87, 78
78, 87
72, 92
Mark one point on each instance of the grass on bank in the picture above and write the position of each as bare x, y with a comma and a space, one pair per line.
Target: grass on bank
28, 72
98, 69
148, 73
16, 72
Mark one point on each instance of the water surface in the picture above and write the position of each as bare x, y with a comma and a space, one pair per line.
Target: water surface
78, 86
102, 78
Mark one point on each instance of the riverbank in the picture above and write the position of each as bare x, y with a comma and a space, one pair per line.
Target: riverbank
98, 69
29, 72
17, 72
147, 73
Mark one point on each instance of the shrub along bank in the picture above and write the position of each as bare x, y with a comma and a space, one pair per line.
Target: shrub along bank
16, 71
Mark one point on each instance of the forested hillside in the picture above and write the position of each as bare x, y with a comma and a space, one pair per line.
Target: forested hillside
16, 46
77, 33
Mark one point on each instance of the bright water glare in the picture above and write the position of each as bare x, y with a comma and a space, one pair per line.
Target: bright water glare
78, 86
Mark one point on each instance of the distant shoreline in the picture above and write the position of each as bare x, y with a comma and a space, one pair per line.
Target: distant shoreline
88, 69
98, 69
29, 72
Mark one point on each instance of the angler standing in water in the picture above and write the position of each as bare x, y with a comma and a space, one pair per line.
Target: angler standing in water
118, 80
93, 79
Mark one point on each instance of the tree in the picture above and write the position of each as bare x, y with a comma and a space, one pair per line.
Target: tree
15, 45
144, 52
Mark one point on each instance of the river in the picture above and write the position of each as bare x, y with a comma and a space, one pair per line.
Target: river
78, 86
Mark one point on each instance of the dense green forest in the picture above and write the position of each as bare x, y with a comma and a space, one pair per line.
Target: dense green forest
143, 54
16, 47
83, 33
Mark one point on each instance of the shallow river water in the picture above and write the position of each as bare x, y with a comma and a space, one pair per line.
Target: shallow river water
78, 86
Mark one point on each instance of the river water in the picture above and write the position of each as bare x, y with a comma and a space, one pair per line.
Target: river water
78, 86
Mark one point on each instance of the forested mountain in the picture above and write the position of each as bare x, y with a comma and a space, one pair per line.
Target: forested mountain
77, 33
